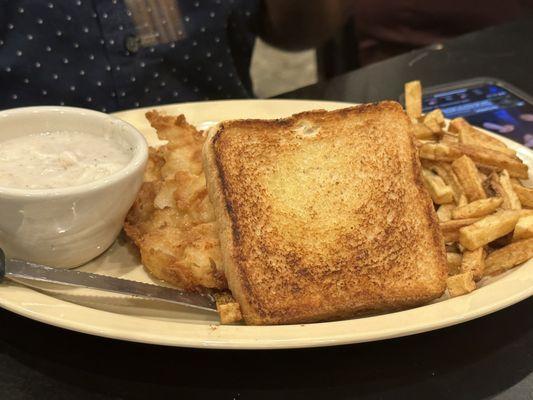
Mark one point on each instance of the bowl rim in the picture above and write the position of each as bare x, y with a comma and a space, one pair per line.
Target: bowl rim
138, 159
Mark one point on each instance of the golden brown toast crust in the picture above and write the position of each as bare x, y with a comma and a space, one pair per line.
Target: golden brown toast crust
323, 215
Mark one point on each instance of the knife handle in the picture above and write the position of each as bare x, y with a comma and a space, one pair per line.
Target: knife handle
2, 265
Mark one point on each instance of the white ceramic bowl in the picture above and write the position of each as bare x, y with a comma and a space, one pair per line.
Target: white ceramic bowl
69, 226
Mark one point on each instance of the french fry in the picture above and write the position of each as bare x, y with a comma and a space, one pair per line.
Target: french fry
454, 262
457, 125
524, 212
460, 284
422, 132
448, 137
491, 158
503, 187
470, 135
478, 208
474, 261
433, 126
440, 152
525, 195
444, 212
485, 157
434, 118
456, 224
450, 229
413, 99
463, 201
523, 228
464, 138
488, 229
513, 202
509, 256
439, 191
445, 171
228, 308
230, 313
467, 174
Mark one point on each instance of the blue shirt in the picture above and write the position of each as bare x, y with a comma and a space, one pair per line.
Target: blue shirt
119, 54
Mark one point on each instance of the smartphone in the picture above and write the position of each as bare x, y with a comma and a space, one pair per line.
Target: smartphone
488, 103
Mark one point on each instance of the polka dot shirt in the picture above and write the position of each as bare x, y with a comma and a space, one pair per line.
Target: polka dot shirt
93, 54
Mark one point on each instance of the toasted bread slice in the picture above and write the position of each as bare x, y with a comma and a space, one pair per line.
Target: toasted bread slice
323, 215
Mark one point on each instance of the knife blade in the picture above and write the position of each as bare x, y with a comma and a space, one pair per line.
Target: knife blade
13, 268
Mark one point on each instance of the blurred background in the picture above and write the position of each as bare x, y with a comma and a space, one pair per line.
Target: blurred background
376, 30
276, 71
113, 55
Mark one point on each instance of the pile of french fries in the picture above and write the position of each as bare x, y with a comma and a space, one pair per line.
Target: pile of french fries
484, 209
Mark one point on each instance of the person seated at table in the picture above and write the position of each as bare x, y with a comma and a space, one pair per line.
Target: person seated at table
112, 55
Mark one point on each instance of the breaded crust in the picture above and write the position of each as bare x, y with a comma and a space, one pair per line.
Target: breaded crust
172, 221
323, 215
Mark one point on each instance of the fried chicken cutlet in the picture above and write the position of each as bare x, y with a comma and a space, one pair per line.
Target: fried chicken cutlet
172, 221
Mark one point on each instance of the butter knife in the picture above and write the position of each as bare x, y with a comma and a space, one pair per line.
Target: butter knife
13, 268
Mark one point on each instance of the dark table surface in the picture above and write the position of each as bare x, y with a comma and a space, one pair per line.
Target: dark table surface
491, 357
504, 52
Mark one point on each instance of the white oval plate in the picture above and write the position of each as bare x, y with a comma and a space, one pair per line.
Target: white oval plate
137, 320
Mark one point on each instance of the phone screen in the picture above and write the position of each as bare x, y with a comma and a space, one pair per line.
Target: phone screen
489, 106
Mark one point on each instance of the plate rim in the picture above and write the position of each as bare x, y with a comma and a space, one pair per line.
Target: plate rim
296, 336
